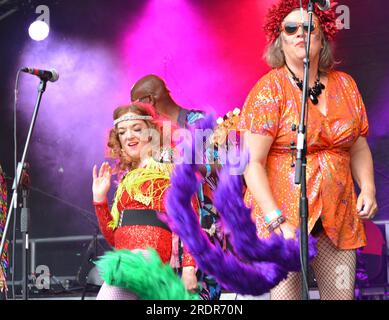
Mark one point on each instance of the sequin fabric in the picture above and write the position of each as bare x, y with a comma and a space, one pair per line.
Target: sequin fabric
3, 215
271, 108
137, 236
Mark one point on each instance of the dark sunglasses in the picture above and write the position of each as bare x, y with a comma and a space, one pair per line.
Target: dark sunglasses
292, 27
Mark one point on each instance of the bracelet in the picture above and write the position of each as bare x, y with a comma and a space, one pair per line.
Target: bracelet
273, 215
276, 223
209, 170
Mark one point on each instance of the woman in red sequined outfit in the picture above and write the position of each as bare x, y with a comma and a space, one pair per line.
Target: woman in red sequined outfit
131, 223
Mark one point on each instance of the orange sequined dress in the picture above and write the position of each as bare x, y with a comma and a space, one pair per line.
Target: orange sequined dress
271, 108
138, 236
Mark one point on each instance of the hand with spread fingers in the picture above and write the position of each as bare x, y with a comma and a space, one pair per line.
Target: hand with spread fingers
101, 182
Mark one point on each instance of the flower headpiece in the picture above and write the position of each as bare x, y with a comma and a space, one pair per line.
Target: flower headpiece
279, 11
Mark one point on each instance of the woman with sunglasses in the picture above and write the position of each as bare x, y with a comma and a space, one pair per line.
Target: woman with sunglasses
337, 150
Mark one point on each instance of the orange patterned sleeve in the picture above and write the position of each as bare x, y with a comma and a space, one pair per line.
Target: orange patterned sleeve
261, 110
359, 106
364, 123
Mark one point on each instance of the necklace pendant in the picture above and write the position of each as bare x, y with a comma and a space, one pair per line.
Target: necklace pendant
314, 99
313, 92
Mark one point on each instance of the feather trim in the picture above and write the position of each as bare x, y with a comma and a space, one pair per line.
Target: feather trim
236, 218
143, 274
233, 274
134, 181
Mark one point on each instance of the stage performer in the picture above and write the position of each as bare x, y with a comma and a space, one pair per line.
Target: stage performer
153, 89
133, 222
337, 150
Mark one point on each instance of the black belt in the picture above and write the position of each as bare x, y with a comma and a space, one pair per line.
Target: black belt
143, 218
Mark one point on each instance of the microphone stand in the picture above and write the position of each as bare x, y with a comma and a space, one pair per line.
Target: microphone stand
13, 204
24, 227
301, 162
87, 264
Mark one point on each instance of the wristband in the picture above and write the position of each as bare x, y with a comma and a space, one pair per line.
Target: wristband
273, 215
276, 223
209, 169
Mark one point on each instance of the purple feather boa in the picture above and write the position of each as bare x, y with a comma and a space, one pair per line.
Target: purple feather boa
236, 217
229, 271
260, 265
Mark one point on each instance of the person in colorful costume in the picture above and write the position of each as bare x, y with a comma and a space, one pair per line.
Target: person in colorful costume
152, 89
337, 150
132, 223
253, 266
3, 214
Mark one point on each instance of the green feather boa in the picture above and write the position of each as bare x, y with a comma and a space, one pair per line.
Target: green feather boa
148, 277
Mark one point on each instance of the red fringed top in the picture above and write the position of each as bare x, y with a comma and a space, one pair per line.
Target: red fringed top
138, 236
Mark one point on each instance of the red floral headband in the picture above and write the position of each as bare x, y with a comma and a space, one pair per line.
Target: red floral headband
279, 11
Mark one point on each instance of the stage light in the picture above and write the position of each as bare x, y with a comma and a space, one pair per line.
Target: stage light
38, 30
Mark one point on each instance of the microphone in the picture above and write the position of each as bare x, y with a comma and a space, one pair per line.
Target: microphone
323, 5
51, 75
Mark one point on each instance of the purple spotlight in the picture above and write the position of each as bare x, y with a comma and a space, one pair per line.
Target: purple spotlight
38, 30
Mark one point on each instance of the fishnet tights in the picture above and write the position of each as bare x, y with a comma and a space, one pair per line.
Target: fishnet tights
108, 292
334, 270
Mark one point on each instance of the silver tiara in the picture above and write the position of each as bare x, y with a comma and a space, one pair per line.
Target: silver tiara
131, 117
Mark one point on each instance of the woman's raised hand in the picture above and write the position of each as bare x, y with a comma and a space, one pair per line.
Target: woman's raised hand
101, 182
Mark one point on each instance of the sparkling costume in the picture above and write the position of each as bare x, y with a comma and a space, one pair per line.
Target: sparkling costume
270, 109
142, 188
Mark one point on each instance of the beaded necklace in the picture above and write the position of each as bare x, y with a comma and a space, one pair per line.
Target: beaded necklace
313, 92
